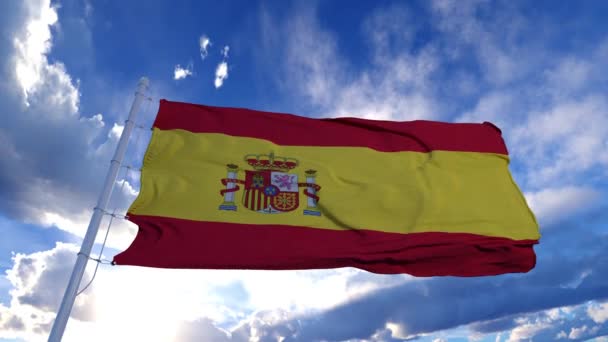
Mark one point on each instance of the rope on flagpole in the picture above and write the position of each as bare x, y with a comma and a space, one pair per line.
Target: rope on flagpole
131, 168
113, 214
99, 261
105, 239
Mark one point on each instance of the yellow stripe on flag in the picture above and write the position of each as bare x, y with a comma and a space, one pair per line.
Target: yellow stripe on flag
361, 188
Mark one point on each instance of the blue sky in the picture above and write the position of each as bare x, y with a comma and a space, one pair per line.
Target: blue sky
68, 72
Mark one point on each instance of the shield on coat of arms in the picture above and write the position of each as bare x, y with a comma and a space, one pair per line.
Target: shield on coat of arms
270, 192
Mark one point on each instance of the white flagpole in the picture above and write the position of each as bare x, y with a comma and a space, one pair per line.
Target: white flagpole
89, 239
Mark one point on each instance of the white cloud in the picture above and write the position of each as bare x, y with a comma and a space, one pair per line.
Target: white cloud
116, 131
576, 333
553, 314
32, 47
96, 120
191, 304
559, 128
221, 73
491, 42
39, 280
564, 140
569, 75
204, 43
180, 73
122, 232
266, 289
527, 331
54, 183
557, 143
598, 313
552, 204
32, 70
563, 323
225, 50
127, 188
396, 85
398, 330
75, 224
202, 330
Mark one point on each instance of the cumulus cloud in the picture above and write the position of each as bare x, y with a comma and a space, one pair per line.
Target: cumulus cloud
204, 42
576, 333
30, 57
527, 331
202, 330
598, 313
221, 71
494, 325
487, 302
255, 327
205, 304
128, 189
565, 140
38, 281
553, 204
221, 74
116, 131
180, 73
566, 323
53, 179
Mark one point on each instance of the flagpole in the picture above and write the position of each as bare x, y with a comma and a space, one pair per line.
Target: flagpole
89, 239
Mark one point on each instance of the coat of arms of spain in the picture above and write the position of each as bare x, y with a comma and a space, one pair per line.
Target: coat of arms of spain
270, 188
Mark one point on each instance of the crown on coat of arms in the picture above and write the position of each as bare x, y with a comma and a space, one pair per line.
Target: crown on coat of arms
271, 162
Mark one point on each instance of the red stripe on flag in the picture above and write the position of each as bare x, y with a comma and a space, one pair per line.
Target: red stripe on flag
292, 130
176, 243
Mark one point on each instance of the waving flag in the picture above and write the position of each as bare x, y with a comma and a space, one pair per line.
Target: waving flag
228, 188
